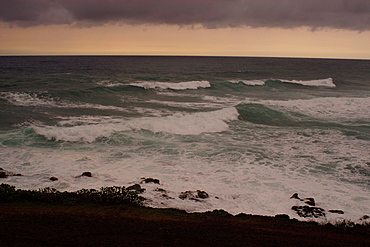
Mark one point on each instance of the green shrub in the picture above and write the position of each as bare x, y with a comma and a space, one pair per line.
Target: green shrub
106, 195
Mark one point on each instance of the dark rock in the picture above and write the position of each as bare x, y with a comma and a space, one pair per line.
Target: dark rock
54, 179
307, 211
164, 193
167, 196
295, 196
150, 180
202, 194
365, 217
1, 169
282, 216
136, 187
87, 174
3, 174
310, 201
17, 174
193, 195
186, 195
335, 211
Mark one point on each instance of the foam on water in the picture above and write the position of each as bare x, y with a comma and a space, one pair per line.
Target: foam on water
180, 124
173, 86
253, 172
35, 99
338, 108
328, 82
250, 82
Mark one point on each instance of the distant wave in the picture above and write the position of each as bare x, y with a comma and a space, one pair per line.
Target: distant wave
34, 99
180, 124
172, 85
328, 82
340, 108
250, 82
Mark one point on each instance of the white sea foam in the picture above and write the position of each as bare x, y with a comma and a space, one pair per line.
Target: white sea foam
172, 85
180, 124
328, 82
33, 99
108, 83
340, 108
250, 82
257, 174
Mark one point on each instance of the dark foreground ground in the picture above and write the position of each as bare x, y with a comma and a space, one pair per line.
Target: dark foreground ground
91, 225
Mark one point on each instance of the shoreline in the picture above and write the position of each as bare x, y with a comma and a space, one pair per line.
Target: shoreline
46, 224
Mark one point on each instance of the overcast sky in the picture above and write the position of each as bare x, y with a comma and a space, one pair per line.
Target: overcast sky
233, 18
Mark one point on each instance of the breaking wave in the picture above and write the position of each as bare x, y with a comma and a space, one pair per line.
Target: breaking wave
179, 124
173, 86
328, 82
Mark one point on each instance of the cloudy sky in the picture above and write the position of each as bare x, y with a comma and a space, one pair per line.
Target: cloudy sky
288, 28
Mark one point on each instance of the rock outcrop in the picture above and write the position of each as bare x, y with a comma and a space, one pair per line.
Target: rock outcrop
193, 195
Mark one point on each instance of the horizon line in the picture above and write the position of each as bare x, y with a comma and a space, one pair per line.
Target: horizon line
161, 55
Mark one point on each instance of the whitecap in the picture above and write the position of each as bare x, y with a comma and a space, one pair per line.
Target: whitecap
172, 85
328, 82
250, 82
179, 124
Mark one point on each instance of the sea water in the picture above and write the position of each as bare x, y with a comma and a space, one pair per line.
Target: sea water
249, 131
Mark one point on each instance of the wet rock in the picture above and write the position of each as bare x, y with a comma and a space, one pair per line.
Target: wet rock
136, 187
3, 174
295, 196
282, 216
164, 193
310, 201
87, 174
309, 212
150, 180
335, 211
202, 194
365, 217
193, 195
53, 179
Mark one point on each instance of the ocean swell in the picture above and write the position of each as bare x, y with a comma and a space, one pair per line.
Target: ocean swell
178, 124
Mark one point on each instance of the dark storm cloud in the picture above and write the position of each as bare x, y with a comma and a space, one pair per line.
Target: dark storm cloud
338, 14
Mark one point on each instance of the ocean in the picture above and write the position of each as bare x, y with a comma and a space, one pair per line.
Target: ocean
248, 131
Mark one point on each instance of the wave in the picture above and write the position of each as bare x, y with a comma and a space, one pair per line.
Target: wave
249, 82
42, 100
179, 124
260, 114
328, 82
174, 86
330, 108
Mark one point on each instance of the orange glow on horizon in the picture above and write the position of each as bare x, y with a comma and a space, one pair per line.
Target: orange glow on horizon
172, 40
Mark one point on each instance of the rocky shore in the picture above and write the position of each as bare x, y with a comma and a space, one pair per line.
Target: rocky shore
40, 224
114, 216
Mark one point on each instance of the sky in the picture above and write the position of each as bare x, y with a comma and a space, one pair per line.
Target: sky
269, 28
